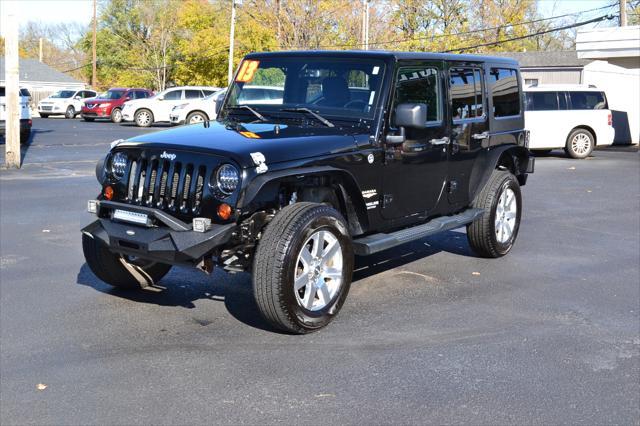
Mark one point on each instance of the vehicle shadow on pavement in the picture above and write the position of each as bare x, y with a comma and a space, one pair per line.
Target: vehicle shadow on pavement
183, 286
454, 242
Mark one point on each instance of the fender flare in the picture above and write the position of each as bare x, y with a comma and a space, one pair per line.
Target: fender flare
349, 190
520, 164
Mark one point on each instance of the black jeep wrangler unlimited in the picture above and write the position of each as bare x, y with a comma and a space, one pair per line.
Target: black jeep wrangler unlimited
316, 157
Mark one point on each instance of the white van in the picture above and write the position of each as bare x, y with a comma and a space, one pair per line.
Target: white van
66, 102
573, 117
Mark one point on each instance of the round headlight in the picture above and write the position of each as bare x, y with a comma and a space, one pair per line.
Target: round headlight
118, 165
227, 179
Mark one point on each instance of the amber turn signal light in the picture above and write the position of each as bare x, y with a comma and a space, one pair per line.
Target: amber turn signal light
224, 211
108, 192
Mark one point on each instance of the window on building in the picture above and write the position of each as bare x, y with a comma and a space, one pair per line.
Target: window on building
531, 82
504, 92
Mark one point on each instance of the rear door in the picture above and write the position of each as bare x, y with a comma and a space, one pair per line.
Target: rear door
469, 127
416, 170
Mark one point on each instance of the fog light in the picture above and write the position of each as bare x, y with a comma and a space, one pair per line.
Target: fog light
92, 206
201, 224
224, 211
108, 192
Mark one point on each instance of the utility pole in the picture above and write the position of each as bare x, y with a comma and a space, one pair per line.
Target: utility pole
623, 13
40, 50
232, 36
12, 89
365, 24
93, 47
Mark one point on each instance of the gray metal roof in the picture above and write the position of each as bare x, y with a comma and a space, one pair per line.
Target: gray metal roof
545, 59
32, 70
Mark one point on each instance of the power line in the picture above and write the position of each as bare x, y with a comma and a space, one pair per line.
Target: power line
566, 27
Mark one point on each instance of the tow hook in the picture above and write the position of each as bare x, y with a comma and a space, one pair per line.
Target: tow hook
206, 265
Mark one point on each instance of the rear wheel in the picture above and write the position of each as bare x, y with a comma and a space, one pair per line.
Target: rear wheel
495, 232
116, 115
302, 268
118, 270
580, 143
143, 118
70, 112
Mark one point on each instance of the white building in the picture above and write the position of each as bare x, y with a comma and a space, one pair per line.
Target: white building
614, 55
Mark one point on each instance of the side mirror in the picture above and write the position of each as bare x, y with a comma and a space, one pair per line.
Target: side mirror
77, 98
160, 98
128, 98
408, 115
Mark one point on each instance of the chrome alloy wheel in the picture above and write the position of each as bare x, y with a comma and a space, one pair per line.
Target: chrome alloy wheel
318, 273
143, 118
196, 118
581, 143
506, 214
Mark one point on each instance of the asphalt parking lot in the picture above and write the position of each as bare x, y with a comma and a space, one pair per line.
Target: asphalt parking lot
549, 334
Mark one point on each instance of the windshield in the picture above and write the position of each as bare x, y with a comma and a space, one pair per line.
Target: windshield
63, 94
112, 94
340, 88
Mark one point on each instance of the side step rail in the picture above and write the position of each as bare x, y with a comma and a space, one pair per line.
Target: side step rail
378, 242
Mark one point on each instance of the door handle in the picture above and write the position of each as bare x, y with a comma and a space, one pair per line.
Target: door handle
442, 141
483, 135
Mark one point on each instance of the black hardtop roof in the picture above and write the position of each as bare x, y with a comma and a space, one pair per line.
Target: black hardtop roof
383, 54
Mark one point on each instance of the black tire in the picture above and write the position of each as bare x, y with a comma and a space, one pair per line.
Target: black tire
138, 118
577, 150
70, 112
196, 114
44, 115
276, 263
118, 271
89, 119
482, 233
116, 115
24, 137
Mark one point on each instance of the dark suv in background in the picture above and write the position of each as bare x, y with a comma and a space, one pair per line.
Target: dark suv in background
109, 104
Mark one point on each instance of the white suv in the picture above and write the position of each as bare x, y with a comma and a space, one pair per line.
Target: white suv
66, 102
145, 112
25, 114
573, 117
197, 110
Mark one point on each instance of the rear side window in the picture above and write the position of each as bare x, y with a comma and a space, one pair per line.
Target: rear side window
541, 101
208, 92
174, 95
588, 100
466, 93
420, 85
192, 94
504, 92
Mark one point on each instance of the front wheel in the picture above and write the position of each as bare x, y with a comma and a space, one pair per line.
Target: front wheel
121, 271
302, 267
70, 113
143, 118
196, 117
494, 234
580, 143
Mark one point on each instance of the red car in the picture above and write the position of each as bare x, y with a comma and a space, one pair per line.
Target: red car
109, 104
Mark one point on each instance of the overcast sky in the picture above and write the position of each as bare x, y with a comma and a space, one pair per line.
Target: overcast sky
55, 11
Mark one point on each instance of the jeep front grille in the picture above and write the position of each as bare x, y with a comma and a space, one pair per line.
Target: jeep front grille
171, 186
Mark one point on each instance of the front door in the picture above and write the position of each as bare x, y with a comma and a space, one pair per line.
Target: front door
164, 107
416, 170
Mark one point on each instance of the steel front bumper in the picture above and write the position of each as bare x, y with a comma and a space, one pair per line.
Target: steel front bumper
173, 245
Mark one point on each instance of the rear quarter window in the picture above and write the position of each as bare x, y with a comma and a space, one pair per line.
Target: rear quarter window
505, 92
541, 101
588, 100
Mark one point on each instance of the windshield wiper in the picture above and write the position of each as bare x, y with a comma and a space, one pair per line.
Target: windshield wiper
314, 114
248, 108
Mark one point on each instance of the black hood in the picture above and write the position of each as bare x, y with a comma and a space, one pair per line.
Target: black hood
277, 142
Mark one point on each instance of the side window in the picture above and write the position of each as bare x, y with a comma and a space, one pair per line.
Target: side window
143, 94
192, 94
208, 92
466, 93
173, 95
562, 100
91, 94
420, 85
542, 101
587, 100
504, 92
